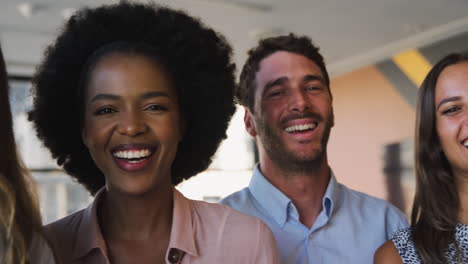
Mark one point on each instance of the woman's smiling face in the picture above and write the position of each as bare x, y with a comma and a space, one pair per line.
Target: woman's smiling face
132, 123
451, 103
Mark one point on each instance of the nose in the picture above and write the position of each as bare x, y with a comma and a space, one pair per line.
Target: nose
132, 125
299, 102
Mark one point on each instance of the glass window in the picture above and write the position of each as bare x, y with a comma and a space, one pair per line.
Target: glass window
59, 195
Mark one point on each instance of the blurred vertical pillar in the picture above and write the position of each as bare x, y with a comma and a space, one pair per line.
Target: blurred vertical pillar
393, 171
61, 196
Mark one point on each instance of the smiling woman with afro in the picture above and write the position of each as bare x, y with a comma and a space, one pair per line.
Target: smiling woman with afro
131, 99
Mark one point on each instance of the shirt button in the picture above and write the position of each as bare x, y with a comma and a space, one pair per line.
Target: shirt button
174, 255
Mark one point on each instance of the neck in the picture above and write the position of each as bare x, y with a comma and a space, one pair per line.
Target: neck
462, 186
305, 188
137, 217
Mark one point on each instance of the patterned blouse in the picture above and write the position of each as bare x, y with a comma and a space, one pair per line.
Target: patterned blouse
405, 246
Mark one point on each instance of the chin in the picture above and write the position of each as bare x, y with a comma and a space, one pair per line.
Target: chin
308, 155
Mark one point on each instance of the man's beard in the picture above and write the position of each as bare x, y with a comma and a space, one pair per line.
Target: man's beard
285, 159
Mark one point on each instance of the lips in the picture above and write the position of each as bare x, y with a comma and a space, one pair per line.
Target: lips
133, 157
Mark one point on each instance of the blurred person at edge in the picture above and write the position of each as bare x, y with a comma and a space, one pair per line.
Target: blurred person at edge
439, 218
21, 238
132, 99
285, 90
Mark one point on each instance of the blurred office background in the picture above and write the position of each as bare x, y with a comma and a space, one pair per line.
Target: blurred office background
377, 53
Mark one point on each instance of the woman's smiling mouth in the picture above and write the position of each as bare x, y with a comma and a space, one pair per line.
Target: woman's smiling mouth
133, 157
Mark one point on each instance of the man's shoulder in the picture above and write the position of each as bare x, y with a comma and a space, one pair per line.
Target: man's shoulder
369, 205
238, 199
367, 201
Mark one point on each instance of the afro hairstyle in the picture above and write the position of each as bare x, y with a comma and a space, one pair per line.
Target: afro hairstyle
197, 57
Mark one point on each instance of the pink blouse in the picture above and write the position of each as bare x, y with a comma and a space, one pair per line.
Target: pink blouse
201, 233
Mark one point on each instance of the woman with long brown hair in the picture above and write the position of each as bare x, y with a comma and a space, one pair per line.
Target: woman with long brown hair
439, 231
20, 222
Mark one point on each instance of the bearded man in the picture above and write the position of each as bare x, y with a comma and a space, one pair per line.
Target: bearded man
285, 90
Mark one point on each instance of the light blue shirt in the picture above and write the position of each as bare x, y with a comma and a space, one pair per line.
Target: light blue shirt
349, 229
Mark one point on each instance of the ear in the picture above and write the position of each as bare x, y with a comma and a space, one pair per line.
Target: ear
249, 122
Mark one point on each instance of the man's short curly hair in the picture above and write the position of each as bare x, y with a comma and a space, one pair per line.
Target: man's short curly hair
198, 58
302, 45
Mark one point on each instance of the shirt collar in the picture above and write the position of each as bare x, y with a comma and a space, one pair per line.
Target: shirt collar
90, 235
332, 195
272, 200
182, 231
278, 205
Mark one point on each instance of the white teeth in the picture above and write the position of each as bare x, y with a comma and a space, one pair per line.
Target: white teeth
303, 127
132, 154
465, 143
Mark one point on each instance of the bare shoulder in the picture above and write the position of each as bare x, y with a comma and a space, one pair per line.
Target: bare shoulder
387, 254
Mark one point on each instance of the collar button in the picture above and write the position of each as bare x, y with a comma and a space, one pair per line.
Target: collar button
175, 255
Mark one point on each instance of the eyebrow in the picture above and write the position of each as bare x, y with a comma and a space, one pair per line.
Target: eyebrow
310, 77
154, 94
116, 97
104, 97
449, 99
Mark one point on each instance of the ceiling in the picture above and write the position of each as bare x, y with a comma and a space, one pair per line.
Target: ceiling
351, 33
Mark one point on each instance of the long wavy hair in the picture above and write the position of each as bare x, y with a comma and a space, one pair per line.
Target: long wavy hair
19, 214
436, 204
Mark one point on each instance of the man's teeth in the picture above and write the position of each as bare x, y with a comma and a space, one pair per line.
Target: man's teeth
303, 127
132, 154
465, 143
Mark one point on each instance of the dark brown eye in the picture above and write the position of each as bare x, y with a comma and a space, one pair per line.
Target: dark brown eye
451, 110
156, 107
104, 111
